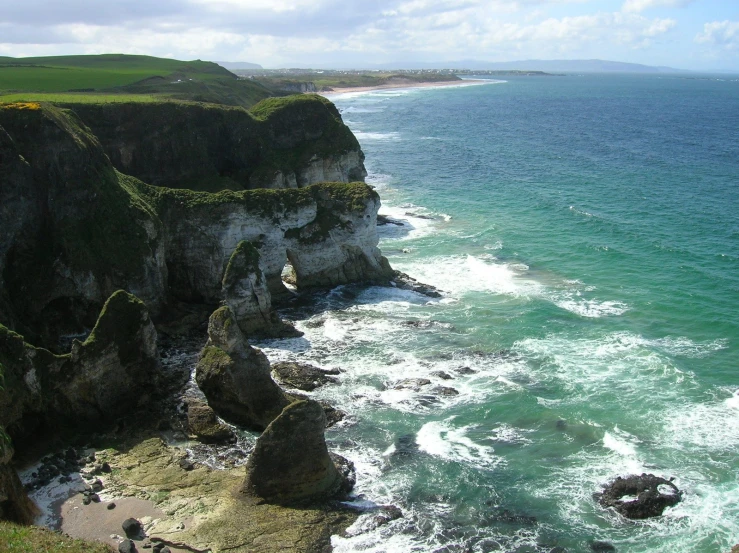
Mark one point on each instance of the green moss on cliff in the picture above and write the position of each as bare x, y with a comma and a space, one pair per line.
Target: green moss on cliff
119, 323
243, 261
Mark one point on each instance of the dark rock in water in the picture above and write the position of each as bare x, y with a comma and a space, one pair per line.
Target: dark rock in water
465, 371
514, 518
126, 546
303, 376
133, 528
445, 391
443, 375
411, 384
290, 460
602, 547
203, 423
640, 496
347, 471
333, 415
235, 377
383, 220
561, 424
405, 446
406, 282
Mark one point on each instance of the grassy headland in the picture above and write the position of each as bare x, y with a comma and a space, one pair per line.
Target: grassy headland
118, 77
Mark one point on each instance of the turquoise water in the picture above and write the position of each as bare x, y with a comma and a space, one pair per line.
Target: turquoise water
585, 232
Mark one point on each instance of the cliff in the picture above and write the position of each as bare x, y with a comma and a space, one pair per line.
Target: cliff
76, 229
285, 142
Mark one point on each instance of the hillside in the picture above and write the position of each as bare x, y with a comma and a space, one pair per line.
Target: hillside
112, 77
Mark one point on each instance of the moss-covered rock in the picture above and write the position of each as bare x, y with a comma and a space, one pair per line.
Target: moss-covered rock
219, 518
291, 462
204, 425
105, 377
235, 377
279, 143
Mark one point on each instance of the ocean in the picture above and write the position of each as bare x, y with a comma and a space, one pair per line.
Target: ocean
584, 231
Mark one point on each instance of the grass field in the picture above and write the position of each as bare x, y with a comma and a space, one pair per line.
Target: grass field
74, 73
112, 78
71, 98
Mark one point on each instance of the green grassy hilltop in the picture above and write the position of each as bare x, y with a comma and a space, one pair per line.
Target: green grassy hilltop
120, 77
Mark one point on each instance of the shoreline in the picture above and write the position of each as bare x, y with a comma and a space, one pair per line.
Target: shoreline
407, 86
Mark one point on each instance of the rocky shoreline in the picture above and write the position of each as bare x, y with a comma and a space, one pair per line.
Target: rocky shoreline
137, 414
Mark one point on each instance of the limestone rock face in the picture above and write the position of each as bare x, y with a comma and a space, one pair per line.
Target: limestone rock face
15, 505
235, 377
290, 461
112, 372
118, 366
280, 143
75, 229
246, 293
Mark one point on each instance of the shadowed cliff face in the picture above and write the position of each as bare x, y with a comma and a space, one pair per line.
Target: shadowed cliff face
77, 229
281, 143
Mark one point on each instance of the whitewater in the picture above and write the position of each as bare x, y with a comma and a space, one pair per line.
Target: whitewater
584, 231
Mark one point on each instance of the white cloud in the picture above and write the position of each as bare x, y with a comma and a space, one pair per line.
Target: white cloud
638, 6
720, 33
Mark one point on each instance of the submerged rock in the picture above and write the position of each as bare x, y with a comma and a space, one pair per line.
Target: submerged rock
640, 496
406, 282
291, 462
235, 377
303, 376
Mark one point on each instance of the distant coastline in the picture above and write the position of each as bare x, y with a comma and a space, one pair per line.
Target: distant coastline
407, 85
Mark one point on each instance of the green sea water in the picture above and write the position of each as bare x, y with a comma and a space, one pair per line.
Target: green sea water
584, 231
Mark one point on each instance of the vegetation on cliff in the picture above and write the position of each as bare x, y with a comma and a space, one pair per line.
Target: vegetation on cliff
16, 538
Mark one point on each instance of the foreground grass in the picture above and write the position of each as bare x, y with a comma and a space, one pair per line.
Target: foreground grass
33, 539
61, 98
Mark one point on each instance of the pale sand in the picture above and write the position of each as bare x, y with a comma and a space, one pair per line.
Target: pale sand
96, 522
442, 84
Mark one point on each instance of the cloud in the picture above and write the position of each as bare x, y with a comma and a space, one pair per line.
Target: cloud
314, 32
638, 6
724, 34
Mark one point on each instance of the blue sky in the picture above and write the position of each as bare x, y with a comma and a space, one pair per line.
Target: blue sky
689, 34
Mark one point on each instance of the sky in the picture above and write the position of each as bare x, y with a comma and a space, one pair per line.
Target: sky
686, 34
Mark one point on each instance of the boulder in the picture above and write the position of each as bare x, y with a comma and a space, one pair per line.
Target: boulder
291, 462
303, 376
202, 422
235, 377
640, 496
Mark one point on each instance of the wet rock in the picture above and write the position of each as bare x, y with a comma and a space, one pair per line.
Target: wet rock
442, 375
303, 376
601, 547
465, 371
640, 496
202, 422
333, 415
291, 461
406, 282
383, 220
445, 391
514, 518
414, 384
126, 546
235, 377
133, 529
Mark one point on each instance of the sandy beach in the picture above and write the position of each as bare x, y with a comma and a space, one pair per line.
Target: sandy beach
407, 85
